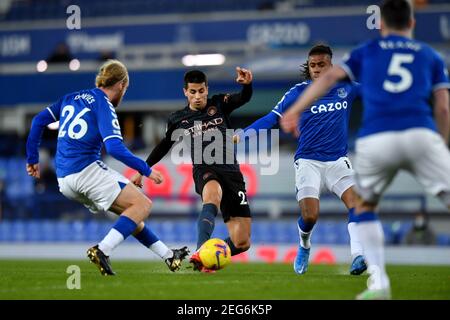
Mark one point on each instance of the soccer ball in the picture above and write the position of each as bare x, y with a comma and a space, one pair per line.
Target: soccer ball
215, 254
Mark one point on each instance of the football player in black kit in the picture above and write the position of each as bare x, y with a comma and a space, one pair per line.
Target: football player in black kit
218, 179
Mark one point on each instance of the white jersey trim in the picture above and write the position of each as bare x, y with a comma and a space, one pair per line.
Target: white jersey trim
50, 110
441, 85
113, 136
277, 113
348, 71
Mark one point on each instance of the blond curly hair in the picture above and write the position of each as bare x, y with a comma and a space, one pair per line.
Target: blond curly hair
110, 73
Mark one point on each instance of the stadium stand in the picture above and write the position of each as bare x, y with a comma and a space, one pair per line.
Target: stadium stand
180, 231
54, 9
27, 216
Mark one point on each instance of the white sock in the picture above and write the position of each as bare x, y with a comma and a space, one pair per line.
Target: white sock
356, 248
161, 250
371, 236
110, 242
305, 241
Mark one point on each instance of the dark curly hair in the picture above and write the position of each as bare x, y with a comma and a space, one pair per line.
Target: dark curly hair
317, 49
194, 76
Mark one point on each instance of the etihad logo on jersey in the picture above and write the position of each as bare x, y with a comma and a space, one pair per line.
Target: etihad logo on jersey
215, 147
329, 107
198, 126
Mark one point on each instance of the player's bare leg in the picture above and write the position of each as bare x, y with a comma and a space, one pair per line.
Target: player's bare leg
239, 229
358, 265
172, 257
211, 196
212, 192
132, 207
132, 204
309, 208
135, 207
349, 198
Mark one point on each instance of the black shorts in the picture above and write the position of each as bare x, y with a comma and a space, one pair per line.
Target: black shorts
234, 197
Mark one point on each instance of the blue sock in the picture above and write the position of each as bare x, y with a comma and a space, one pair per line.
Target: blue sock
352, 216
146, 237
366, 216
205, 223
305, 226
125, 226
233, 249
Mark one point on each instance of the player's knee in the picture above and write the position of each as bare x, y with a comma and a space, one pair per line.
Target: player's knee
364, 206
213, 197
310, 215
146, 206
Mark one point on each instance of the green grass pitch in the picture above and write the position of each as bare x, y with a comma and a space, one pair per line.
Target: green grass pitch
46, 279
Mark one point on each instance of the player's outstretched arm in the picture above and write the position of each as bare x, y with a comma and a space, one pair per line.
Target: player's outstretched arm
236, 100
40, 121
271, 119
117, 149
163, 146
442, 113
155, 156
317, 89
244, 76
266, 122
159, 151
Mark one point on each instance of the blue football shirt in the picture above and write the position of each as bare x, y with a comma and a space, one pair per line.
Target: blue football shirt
324, 125
86, 119
397, 76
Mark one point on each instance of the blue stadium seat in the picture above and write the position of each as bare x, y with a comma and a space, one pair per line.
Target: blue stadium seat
168, 231
63, 231
92, 231
19, 184
342, 233
318, 234
34, 10
220, 231
443, 240
263, 232
78, 230
48, 230
95, 8
33, 230
18, 231
180, 231
292, 232
256, 233
281, 233
5, 231
267, 227
388, 236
